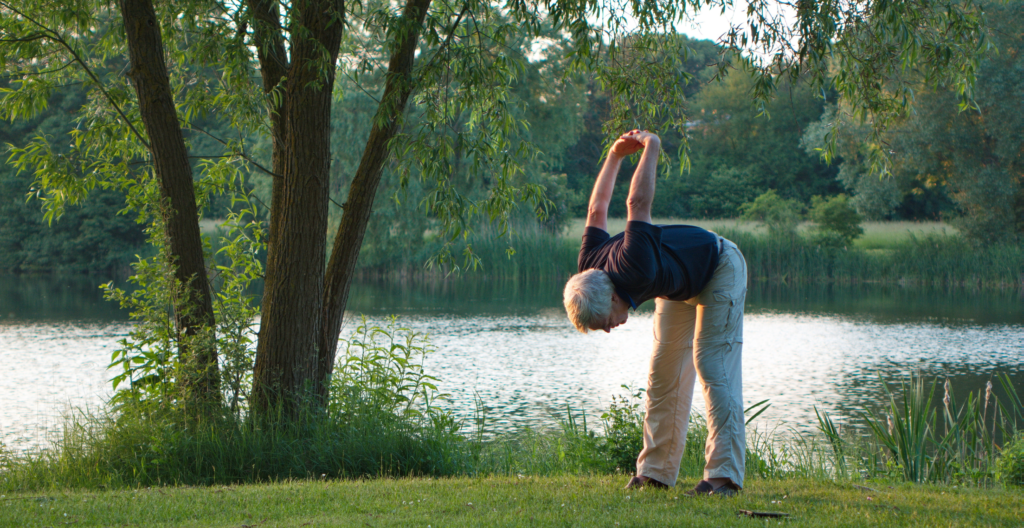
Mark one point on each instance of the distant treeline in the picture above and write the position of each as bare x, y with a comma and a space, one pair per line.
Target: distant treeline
962, 167
89, 238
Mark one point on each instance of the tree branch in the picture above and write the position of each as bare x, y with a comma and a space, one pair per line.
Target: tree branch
242, 155
56, 37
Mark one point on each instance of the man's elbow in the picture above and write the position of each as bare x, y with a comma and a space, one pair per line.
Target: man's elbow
597, 211
639, 204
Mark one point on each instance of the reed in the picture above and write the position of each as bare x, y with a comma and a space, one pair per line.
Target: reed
927, 261
928, 255
961, 446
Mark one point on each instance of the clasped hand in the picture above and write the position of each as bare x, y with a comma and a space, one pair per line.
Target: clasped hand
633, 141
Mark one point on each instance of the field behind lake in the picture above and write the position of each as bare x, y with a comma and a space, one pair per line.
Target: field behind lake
907, 253
877, 235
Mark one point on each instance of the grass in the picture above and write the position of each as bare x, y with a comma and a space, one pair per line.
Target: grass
888, 235
907, 253
513, 501
877, 235
903, 252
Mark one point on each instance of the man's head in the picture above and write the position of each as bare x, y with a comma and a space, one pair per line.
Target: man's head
591, 302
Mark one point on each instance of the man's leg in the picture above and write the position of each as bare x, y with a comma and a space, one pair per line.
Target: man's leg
669, 392
718, 350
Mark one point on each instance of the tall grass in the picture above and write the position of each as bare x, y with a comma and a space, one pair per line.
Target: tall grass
934, 258
531, 252
382, 420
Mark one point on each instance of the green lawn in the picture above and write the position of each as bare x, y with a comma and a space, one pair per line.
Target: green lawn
504, 501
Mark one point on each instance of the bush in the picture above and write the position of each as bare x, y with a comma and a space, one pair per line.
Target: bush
623, 429
1010, 464
778, 214
838, 221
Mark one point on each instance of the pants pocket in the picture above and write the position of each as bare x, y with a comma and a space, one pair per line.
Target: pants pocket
731, 314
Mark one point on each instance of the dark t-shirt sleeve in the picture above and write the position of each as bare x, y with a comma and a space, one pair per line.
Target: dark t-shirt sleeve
593, 238
638, 259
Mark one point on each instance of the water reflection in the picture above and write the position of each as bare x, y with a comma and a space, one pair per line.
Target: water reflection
49, 367
510, 343
55, 298
878, 303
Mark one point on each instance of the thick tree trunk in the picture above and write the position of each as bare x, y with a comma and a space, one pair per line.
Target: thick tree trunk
194, 310
270, 50
286, 369
349, 237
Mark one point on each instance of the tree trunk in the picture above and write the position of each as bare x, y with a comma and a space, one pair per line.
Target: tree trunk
270, 50
349, 237
287, 370
193, 310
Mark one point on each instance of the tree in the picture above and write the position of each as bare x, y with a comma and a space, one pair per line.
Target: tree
964, 163
836, 219
737, 153
44, 35
896, 194
779, 215
975, 153
449, 58
91, 238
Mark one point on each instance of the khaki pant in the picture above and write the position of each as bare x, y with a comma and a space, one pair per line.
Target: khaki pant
702, 336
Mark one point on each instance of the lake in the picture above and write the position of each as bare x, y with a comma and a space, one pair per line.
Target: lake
510, 344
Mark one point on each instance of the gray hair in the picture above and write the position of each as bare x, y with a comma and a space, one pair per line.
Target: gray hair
588, 297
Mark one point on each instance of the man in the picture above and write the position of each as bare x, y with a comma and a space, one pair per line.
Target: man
698, 281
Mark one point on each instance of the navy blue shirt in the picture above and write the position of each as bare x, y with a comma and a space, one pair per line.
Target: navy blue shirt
647, 261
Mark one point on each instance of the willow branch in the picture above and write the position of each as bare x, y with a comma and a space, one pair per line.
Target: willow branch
235, 153
56, 37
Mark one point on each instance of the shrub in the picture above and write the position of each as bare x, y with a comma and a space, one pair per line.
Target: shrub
838, 221
623, 429
780, 215
1010, 464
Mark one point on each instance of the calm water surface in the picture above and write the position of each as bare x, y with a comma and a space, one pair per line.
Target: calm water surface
511, 344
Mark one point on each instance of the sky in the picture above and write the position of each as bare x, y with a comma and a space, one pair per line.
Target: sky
711, 24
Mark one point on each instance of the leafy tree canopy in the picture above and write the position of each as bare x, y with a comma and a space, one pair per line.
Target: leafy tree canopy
154, 70
969, 155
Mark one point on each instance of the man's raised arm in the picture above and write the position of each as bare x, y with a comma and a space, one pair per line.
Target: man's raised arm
641, 188
601, 196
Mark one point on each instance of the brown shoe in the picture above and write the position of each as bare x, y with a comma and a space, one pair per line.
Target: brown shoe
703, 488
637, 482
727, 490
